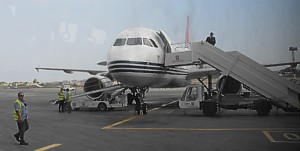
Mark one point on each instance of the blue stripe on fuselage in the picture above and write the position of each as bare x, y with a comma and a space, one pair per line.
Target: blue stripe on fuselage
143, 67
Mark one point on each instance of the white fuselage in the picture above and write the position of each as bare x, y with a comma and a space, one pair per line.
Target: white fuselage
137, 58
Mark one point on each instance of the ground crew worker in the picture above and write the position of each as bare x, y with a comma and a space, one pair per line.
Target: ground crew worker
211, 39
21, 117
69, 101
61, 101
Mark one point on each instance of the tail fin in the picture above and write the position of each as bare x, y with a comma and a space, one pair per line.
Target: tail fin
187, 32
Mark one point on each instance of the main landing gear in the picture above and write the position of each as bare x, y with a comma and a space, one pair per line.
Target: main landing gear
138, 94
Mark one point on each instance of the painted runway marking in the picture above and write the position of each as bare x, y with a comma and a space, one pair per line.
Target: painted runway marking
133, 117
203, 129
163, 105
119, 123
284, 136
48, 147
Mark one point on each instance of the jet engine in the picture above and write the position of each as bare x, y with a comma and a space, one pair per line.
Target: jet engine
96, 83
232, 86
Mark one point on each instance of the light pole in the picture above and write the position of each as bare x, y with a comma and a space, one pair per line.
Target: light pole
293, 49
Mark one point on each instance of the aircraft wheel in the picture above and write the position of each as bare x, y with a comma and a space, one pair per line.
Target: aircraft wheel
144, 108
130, 98
209, 108
102, 107
263, 108
138, 106
76, 109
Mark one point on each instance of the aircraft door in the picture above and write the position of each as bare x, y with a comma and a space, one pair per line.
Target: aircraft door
166, 42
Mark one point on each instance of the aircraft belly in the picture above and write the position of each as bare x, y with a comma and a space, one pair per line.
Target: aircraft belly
149, 79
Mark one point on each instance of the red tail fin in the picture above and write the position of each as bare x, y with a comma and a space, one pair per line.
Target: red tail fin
187, 32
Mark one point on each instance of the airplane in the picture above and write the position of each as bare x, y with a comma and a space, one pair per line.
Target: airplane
136, 60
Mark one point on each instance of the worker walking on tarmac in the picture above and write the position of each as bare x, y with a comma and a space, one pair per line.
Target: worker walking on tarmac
211, 39
21, 117
61, 101
69, 100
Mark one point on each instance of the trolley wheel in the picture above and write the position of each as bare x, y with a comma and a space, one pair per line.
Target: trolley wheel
209, 108
102, 107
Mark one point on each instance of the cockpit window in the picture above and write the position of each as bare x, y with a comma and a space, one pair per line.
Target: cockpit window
147, 42
153, 43
120, 42
134, 41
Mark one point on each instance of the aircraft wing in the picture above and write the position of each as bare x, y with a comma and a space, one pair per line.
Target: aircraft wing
196, 73
102, 63
70, 71
282, 64
288, 71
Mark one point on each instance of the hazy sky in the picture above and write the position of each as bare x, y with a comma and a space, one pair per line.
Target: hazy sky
79, 33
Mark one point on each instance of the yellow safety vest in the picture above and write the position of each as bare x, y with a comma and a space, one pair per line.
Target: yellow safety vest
16, 117
69, 99
61, 96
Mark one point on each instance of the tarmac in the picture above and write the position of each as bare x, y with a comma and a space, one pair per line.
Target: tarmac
166, 127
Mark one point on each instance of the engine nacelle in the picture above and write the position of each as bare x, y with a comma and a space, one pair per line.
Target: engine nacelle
232, 86
96, 83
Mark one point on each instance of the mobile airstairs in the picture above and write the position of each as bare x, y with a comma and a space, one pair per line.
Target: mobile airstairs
281, 92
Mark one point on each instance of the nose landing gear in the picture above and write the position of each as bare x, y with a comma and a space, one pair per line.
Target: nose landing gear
138, 94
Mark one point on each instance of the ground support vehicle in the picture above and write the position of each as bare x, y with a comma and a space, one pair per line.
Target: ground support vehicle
102, 105
195, 96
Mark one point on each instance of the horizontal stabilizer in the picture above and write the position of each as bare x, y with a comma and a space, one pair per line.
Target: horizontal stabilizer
102, 63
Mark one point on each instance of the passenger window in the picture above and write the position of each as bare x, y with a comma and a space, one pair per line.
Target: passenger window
146, 42
120, 42
153, 43
134, 41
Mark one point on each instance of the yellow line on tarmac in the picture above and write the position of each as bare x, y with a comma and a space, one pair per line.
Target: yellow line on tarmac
47, 147
133, 117
121, 122
203, 129
267, 134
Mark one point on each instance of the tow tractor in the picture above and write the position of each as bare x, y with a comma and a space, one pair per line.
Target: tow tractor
195, 96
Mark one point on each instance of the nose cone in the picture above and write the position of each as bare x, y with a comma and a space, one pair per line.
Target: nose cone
135, 65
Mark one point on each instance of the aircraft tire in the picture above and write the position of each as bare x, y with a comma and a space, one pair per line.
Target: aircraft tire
138, 106
144, 108
130, 98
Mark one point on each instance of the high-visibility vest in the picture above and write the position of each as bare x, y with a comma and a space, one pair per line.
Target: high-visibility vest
16, 117
69, 97
61, 96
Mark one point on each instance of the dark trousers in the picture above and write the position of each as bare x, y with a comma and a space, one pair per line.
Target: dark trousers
23, 127
68, 106
61, 106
